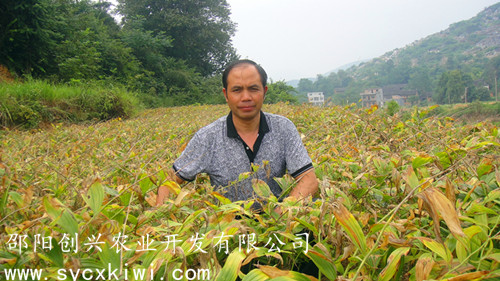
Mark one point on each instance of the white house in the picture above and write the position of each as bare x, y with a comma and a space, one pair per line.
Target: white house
316, 98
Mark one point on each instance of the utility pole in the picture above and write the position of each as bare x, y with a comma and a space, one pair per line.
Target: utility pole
496, 89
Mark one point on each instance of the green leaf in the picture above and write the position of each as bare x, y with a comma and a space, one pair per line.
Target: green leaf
261, 189
351, 227
61, 216
437, 248
95, 197
411, 178
444, 159
223, 200
480, 209
492, 195
393, 263
323, 261
229, 271
292, 276
145, 184
495, 257
461, 250
421, 161
255, 275
484, 168
55, 255
308, 225
16, 197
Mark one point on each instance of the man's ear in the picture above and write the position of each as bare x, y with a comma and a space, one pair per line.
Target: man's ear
225, 93
265, 92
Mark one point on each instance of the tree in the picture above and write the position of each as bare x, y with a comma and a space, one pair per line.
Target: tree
305, 85
492, 75
452, 86
27, 39
201, 31
420, 80
280, 92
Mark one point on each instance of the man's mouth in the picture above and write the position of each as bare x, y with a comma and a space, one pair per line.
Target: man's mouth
246, 108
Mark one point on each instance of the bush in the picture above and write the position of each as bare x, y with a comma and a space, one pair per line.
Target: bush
28, 104
392, 107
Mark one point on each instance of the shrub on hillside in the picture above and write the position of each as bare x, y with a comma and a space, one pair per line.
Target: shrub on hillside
33, 102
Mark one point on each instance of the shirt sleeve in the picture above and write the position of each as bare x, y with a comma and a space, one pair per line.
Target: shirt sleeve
194, 159
297, 158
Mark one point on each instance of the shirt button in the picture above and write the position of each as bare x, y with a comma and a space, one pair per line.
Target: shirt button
248, 148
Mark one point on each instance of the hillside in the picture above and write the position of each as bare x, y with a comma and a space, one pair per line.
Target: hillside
471, 46
466, 43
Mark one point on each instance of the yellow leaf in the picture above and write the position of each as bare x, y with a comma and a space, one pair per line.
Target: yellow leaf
350, 225
424, 267
469, 276
437, 204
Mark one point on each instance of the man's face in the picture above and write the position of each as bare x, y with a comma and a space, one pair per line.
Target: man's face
245, 92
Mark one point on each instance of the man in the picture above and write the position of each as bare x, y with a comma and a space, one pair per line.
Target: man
244, 139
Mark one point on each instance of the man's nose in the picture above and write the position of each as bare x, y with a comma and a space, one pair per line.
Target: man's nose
245, 95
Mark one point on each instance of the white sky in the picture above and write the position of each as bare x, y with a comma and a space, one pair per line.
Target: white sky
295, 39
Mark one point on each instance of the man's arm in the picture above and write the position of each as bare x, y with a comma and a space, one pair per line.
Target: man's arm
307, 184
163, 191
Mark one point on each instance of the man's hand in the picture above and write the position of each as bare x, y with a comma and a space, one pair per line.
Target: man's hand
163, 190
163, 193
307, 184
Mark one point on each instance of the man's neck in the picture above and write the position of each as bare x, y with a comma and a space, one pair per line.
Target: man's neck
246, 126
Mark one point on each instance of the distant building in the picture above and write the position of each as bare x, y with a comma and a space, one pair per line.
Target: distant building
339, 91
316, 98
372, 96
380, 96
398, 93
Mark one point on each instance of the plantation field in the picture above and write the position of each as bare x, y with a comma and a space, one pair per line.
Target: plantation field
403, 197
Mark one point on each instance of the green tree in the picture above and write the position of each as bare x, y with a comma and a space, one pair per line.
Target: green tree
305, 85
420, 80
201, 30
90, 47
492, 74
452, 87
27, 39
280, 92
392, 108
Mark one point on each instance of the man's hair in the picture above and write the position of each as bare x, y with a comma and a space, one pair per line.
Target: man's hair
230, 66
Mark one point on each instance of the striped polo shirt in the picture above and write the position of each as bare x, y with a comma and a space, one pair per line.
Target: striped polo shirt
218, 150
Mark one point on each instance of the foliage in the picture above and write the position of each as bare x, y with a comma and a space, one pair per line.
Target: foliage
27, 36
392, 107
280, 92
168, 61
469, 113
34, 102
401, 199
457, 87
201, 30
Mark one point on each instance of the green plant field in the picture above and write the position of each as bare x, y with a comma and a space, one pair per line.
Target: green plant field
413, 198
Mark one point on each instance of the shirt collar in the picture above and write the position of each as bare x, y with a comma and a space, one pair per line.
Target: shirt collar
231, 130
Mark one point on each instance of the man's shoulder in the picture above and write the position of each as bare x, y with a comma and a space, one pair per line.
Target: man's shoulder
213, 128
278, 122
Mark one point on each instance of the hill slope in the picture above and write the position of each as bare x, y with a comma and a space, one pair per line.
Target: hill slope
467, 42
471, 46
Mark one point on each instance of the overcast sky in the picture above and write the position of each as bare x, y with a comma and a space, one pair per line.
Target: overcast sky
295, 39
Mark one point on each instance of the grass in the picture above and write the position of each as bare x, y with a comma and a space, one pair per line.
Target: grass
35, 102
471, 112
